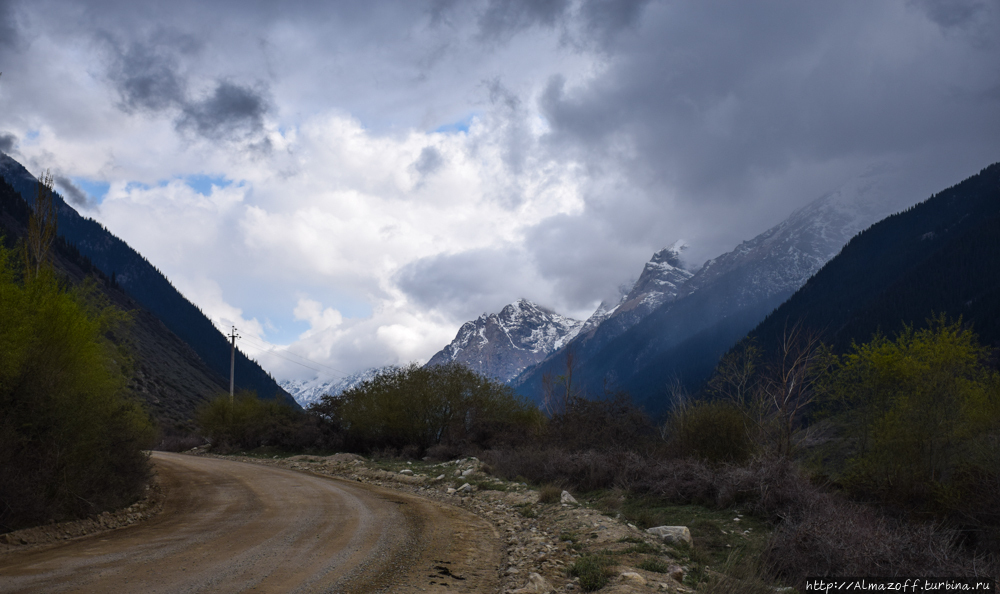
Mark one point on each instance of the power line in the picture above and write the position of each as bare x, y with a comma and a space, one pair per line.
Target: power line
269, 349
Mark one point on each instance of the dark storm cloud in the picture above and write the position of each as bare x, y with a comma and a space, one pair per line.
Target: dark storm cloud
7, 142
612, 14
148, 78
429, 161
72, 192
951, 13
709, 100
601, 20
230, 111
464, 284
504, 18
515, 138
582, 256
8, 27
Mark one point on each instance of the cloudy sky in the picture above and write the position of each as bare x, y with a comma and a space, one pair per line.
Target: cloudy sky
349, 181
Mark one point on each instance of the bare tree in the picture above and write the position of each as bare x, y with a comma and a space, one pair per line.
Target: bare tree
41, 227
559, 392
790, 381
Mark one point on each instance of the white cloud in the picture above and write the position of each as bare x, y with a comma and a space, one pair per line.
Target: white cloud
578, 141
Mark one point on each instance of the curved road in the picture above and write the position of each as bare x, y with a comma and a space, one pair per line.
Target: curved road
233, 527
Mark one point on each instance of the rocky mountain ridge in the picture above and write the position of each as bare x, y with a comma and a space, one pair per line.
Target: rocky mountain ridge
682, 337
501, 345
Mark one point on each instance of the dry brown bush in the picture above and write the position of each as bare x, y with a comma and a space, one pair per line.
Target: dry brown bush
549, 494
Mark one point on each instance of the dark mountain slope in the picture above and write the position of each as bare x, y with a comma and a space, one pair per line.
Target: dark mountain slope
683, 337
150, 288
169, 375
941, 256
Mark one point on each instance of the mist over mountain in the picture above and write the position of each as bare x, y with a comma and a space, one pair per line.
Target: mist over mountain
703, 314
940, 257
148, 287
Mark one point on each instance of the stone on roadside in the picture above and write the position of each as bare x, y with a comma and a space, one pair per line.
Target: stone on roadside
677, 573
672, 534
406, 471
466, 473
536, 585
567, 498
631, 577
465, 487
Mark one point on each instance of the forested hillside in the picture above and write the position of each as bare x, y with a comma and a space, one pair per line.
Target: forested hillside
149, 287
169, 376
940, 257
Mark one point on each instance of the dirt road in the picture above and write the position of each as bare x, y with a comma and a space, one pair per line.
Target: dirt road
233, 527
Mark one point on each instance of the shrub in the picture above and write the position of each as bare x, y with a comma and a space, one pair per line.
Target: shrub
247, 422
925, 410
443, 452
594, 571
549, 494
711, 431
609, 423
71, 439
654, 565
421, 407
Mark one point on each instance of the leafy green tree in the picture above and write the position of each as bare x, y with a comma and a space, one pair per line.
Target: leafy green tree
71, 438
923, 408
421, 407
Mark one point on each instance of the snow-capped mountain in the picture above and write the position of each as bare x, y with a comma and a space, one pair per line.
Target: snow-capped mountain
782, 258
501, 345
691, 320
661, 280
307, 392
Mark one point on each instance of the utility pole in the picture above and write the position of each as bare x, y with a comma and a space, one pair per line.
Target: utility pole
232, 363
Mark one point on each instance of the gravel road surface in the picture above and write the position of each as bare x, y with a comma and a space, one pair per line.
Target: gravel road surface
235, 527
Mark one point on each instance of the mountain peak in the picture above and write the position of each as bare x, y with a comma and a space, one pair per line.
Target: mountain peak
670, 255
503, 344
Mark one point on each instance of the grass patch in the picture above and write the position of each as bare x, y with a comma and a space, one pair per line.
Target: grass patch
741, 573
594, 571
716, 533
642, 548
654, 565
527, 510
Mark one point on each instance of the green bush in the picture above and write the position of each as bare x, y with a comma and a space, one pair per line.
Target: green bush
71, 440
247, 422
594, 571
925, 411
419, 407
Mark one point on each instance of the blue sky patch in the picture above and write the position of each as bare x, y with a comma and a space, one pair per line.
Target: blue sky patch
203, 183
461, 125
96, 190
